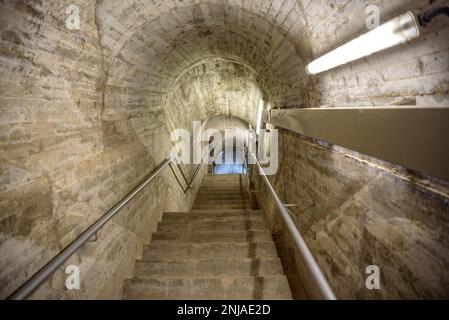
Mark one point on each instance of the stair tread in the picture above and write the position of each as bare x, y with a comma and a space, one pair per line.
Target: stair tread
222, 207
206, 236
228, 211
215, 288
208, 277
181, 219
221, 249
167, 250
213, 225
237, 197
209, 250
210, 214
217, 211
208, 267
210, 221
230, 232
206, 260
164, 242
212, 201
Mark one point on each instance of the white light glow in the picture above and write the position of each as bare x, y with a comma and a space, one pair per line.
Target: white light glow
392, 33
259, 116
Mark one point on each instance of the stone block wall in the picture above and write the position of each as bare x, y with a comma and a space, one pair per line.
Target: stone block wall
354, 211
64, 160
86, 114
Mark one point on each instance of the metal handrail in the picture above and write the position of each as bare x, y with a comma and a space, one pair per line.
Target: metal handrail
323, 288
46, 271
187, 182
195, 175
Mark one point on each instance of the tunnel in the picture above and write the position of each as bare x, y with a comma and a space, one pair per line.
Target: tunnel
92, 92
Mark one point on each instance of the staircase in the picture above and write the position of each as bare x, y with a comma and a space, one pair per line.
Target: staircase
220, 250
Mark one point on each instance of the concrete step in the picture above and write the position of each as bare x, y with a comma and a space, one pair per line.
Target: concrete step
250, 224
223, 176
227, 185
236, 195
203, 288
218, 186
222, 200
251, 267
205, 201
221, 180
211, 215
218, 178
225, 189
221, 206
214, 236
214, 192
220, 250
166, 250
209, 197
223, 185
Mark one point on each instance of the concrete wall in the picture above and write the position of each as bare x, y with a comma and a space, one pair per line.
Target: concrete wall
85, 114
69, 152
156, 41
353, 212
214, 87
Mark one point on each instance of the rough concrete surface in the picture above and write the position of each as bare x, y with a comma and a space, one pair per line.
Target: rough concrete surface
86, 114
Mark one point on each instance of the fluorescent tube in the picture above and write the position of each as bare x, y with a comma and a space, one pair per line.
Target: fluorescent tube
392, 33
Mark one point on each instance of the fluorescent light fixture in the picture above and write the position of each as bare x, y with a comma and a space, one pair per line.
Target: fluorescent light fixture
392, 33
259, 116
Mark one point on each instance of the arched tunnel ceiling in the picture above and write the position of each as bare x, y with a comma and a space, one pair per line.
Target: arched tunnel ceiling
149, 44
82, 123
214, 87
